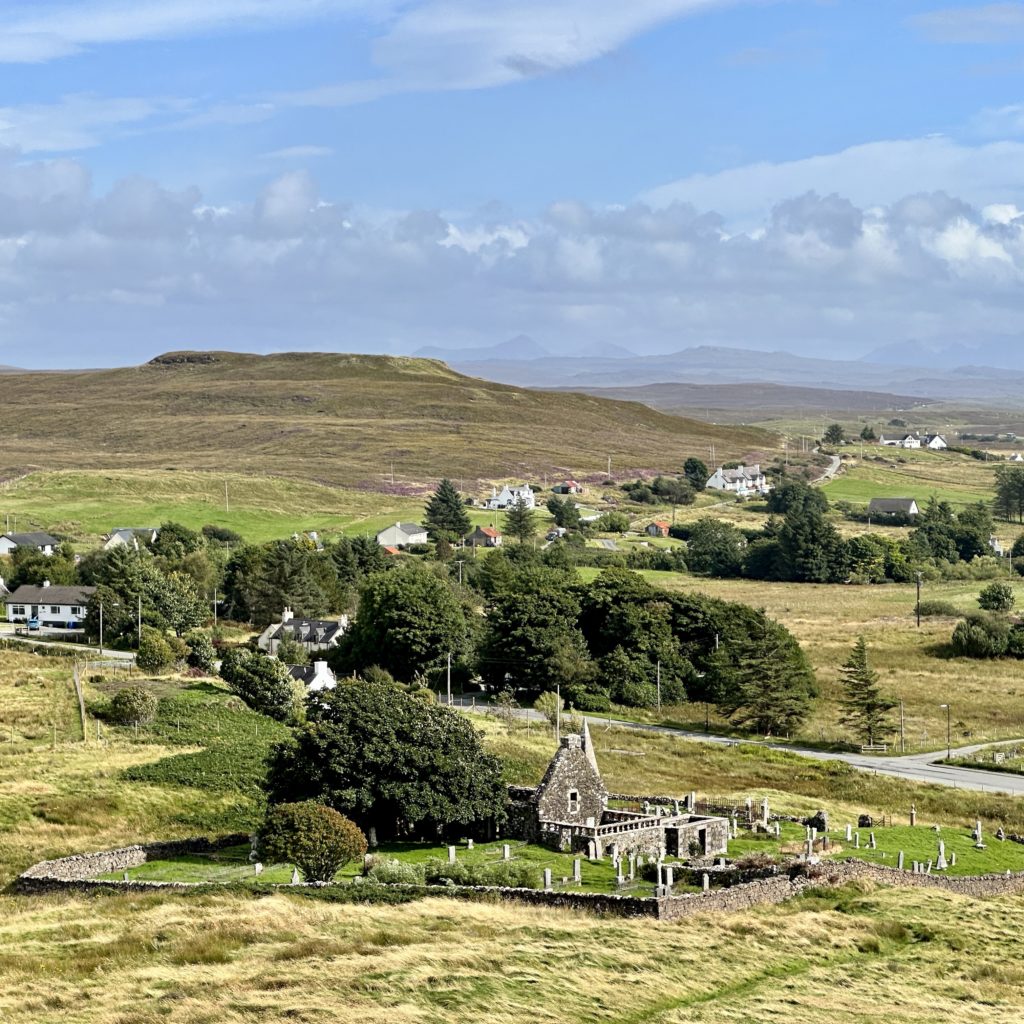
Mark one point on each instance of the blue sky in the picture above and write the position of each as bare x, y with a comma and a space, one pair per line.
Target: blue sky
386, 174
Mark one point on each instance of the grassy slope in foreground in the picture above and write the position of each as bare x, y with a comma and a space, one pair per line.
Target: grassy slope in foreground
339, 419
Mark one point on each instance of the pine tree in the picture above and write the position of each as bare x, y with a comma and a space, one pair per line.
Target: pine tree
445, 516
864, 707
520, 522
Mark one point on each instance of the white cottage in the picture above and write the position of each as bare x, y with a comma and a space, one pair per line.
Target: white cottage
742, 480
60, 607
510, 495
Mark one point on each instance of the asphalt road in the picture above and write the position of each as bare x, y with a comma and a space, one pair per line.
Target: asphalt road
91, 653
914, 767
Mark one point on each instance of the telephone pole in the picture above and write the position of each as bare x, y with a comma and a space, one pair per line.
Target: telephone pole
449, 679
227, 502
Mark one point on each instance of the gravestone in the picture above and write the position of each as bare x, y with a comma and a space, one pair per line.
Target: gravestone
809, 853
976, 834
1000, 834
669, 878
547, 879
258, 868
940, 861
778, 830
675, 808
913, 814
826, 844
632, 866
706, 882
735, 828
451, 854
929, 871
899, 861
814, 833
952, 859
856, 841
469, 844
871, 841
765, 815
295, 876
577, 870
692, 806
849, 833
124, 876
506, 852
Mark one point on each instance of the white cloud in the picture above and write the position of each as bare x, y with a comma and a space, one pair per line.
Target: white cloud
984, 23
298, 153
90, 278
30, 34
868, 174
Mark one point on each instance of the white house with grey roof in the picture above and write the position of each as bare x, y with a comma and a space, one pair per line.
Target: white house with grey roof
893, 507
42, 542
402, 535
313, 634
315, 677
132, 537
56, 607
508, 496
742, 480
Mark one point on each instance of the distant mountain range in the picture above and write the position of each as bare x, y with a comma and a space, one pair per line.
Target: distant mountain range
1008, 355
521, 348
719, 365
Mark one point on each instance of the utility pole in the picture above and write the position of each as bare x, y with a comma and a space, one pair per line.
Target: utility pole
140, 621
101, 630
609, 466
918, 600
903, 734
449, 679
214, 607
227, 502
460, 563
659, 686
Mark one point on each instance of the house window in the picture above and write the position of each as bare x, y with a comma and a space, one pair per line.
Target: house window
75, 610
54, 609
574, 801
17, 609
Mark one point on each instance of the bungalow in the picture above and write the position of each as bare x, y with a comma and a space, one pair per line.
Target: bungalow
569, 487
741, 481
132, 537
315, 677
1017, 457
902, 441
657, 529
402, 535
313, 634
936, 442
40, 541
892, 507
510, 495
61, 607
997, 546
484, 537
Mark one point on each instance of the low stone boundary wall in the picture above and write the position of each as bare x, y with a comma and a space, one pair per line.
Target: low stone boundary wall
78, 873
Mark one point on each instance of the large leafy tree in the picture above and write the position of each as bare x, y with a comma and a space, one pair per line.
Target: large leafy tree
696, 471
394, 763
1009, 500
864, 708
261, 681
316, 839
715, 548
407, 622
445, 516
775, 686
834, 434
520, 521
810, 546
530, 638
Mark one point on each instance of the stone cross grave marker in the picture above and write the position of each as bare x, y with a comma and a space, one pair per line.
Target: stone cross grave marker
940, 861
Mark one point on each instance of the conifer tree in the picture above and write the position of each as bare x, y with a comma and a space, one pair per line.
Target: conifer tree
445, 516
864, 707
520, 522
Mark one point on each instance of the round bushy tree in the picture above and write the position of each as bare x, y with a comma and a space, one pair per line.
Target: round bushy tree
262, 682
997, 597
981, 636
155, 653
133, 705
316, 839
391, 762
201, 652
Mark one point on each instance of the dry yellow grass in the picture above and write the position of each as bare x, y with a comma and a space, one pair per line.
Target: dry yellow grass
893, 955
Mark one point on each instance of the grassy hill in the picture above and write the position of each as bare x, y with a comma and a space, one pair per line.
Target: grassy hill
337, 419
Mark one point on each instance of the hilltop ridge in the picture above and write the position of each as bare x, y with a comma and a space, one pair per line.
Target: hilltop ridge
341, 419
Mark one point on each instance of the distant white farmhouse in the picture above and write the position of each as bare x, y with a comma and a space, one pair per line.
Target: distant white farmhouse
741, 481
510, 495
936, 442
132, 537
901, 441
402, 535
893, 507
42, 542
315, 677
313, 634
62, 607
1017, 457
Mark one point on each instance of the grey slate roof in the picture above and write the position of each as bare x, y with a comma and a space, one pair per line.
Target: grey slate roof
905, 505
27, 594
37, 539
308, 631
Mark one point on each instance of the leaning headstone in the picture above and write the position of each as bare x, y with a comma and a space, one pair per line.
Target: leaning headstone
940, 861
706, 882
929, 871
547, 879
258, 868
977, 830
295, 876
451, 854
506, 852
899, 861
1000, 834
577, 871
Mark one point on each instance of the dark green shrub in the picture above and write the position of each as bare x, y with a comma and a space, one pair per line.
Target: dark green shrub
155, 653
997, 597
940, 609
133, 705
201, 652
316, 839
395, 872
981, 636
515, 874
